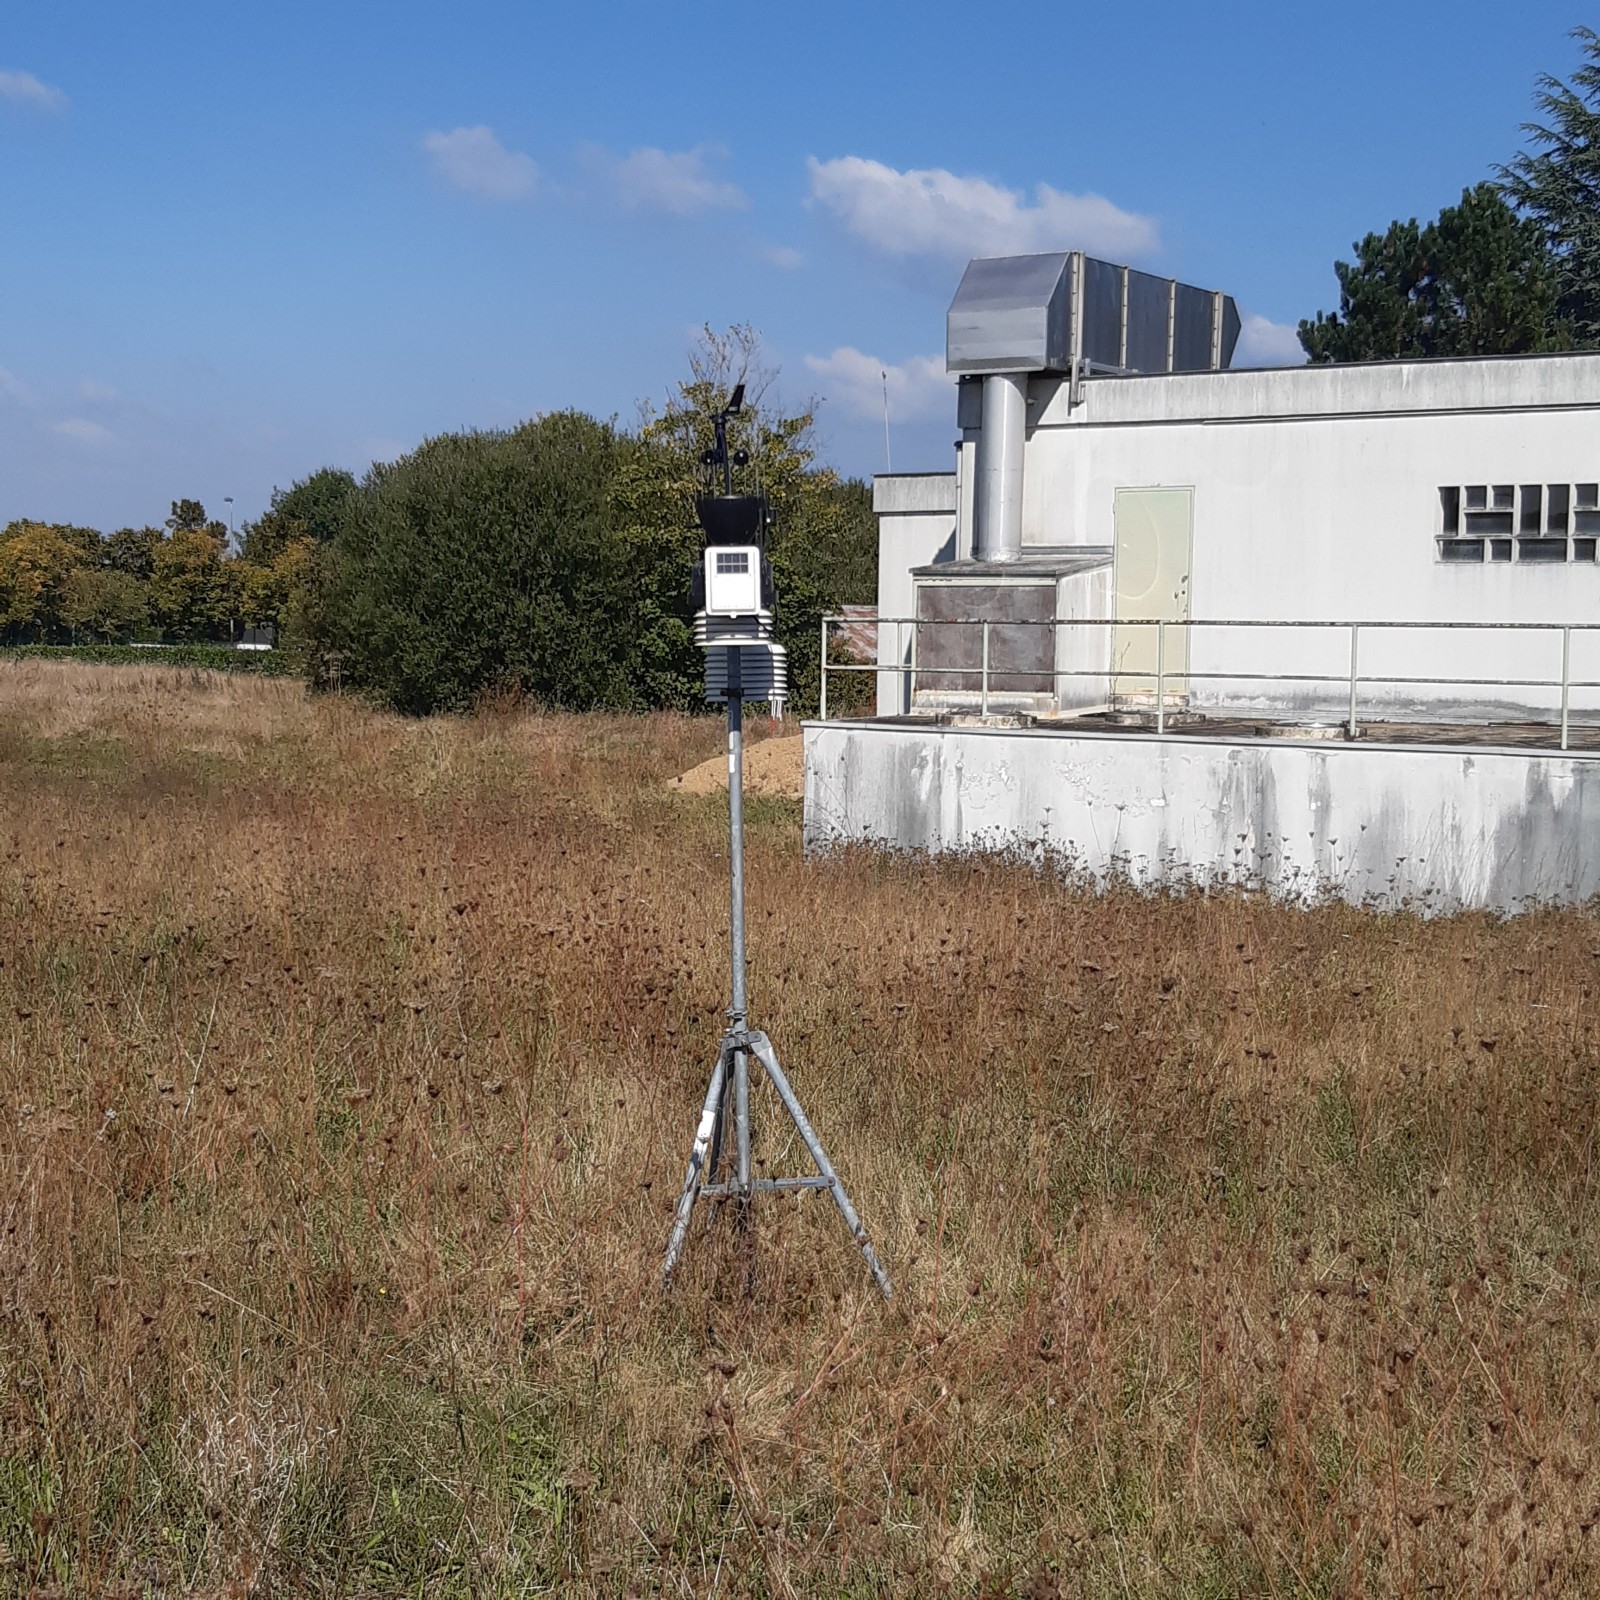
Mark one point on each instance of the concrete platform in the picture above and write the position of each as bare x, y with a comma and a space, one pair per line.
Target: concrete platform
1398, 822
1487, 735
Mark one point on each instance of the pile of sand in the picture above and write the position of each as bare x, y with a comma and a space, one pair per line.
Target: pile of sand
775, 768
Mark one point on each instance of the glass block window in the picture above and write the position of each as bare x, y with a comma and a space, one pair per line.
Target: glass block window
1517, 522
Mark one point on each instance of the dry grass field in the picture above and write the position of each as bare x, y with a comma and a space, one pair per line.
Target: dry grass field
348, 1073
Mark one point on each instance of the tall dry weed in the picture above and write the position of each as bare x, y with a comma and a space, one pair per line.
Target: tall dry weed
348, 1075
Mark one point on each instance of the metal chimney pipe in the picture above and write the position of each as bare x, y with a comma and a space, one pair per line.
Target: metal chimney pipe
999, 485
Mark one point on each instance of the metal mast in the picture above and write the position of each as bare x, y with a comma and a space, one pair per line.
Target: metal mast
742, 659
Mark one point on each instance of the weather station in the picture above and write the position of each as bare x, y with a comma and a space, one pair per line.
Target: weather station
735, 599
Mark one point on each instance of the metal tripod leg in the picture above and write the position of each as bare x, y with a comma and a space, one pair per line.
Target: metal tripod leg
719, 1134
709, 1129
741, 1129
715, 1171
762, 1046
730, 1080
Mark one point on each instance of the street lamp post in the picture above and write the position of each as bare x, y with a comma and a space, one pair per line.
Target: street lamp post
227, 500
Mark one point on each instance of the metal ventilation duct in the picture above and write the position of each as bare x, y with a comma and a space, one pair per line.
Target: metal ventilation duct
1012, 314
1000, 450
1068, 312
1064, 313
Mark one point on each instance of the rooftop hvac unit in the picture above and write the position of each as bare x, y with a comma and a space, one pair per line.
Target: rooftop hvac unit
1070, 313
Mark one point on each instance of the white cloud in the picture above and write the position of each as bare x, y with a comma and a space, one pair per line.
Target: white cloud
1268, 344
782, 255
474, 159
931, 212
854, 381
23, 89
93, 389
81, 431
679, 182
13, 388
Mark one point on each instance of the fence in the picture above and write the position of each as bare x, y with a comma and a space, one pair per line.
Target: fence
1166, 681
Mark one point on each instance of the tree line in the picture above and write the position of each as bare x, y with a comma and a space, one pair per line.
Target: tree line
550, 561
1514, 268
181, 583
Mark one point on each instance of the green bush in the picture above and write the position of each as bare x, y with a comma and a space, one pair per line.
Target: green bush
484, 562
554, 561
216, 657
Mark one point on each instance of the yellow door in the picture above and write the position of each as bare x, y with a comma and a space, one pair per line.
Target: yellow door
1154, 533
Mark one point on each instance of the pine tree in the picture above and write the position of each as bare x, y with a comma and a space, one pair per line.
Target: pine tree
1478, 280
1557, 186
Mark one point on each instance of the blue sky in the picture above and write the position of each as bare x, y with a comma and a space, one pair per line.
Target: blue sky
242, 242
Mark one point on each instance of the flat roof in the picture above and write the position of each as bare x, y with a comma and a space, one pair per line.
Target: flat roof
1035, 562
1501, 738
1557, 380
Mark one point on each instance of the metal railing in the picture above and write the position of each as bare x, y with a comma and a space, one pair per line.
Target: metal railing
906, 667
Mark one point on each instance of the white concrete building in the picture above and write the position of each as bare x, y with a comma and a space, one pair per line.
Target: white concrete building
1319, 549
1412, 491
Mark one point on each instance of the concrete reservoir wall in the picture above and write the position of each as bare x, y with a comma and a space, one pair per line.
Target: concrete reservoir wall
1436, 830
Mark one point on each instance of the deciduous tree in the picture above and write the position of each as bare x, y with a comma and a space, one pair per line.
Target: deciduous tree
133, 551
270, 594
314, 508
37, 559
190, 584
103, 604
188, 516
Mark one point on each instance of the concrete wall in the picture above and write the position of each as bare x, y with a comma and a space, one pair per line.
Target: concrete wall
1316, 499
1439, 829
1080, 650
916, 526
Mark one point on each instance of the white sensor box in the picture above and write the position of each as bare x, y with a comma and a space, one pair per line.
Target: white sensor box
733, 580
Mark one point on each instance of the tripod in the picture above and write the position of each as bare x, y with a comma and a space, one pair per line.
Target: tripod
730, 1078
